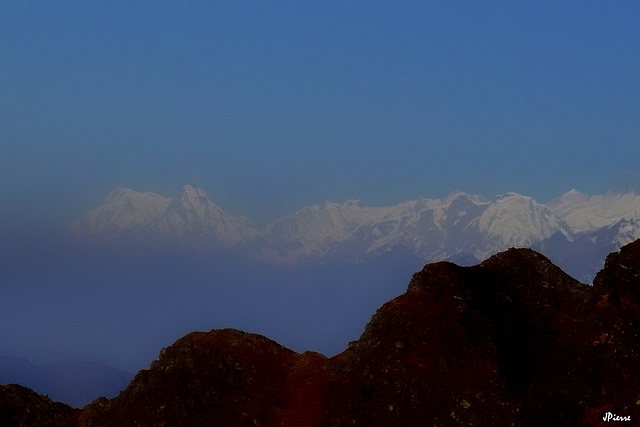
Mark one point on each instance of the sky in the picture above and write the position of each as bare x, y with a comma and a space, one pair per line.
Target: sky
272, 106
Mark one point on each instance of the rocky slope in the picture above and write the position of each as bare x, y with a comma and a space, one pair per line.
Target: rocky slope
74, 383
598, 225
510, 341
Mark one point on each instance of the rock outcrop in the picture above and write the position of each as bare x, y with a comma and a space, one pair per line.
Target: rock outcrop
510, 341
20, 406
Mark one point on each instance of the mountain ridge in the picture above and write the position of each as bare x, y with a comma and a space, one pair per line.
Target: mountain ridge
458, 226
75, 383
510, 341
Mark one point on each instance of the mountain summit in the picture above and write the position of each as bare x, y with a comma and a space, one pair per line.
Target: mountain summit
190, 219
194, 219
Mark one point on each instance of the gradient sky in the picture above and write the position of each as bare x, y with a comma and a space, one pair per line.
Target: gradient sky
270, 106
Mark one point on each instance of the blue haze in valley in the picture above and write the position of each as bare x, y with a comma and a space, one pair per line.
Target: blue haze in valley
269, 107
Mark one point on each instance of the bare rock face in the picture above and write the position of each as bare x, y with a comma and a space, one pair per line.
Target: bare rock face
20, 406
223, 377
461, 347
511, 341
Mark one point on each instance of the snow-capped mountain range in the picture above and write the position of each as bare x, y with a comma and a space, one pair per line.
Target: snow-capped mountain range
190, 219
461, 227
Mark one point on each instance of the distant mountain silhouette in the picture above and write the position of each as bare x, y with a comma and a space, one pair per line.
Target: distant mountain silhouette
510, 341
629, 183
190, 219
458, 227
74, 383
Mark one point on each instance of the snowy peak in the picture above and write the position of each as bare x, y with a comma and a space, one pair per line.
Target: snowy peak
518, 220
584, 213
190, 219
191, 212
459, 208
510, 220
122, 210
626, 230
192, 196
314, 231
569, 198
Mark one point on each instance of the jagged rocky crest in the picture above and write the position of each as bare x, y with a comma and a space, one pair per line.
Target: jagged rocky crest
511, 341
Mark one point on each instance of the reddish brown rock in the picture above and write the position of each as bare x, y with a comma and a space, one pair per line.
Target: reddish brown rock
20, 406
511, 341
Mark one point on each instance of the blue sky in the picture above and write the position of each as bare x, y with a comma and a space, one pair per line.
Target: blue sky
270, 106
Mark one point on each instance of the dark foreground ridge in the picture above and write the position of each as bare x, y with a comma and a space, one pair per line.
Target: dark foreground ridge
511, 341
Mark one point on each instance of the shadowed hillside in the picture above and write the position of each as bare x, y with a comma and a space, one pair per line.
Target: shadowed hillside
510, 341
